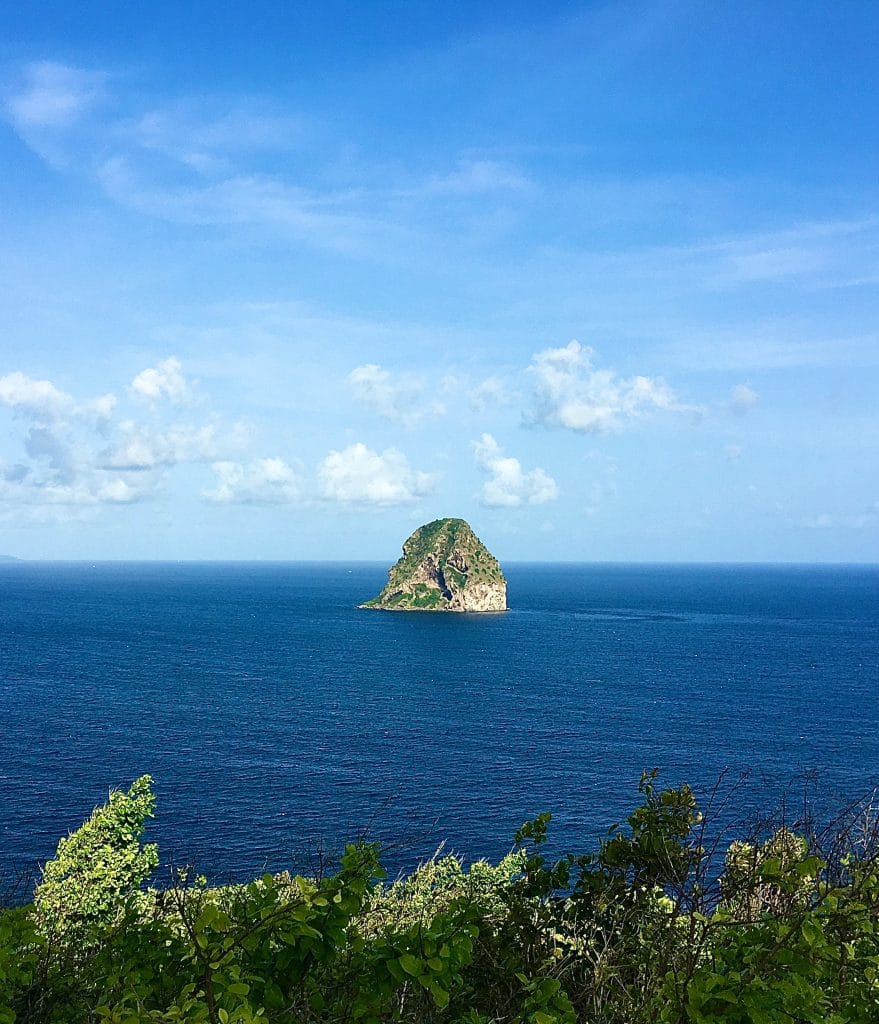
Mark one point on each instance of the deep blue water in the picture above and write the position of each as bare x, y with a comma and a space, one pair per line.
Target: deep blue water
272, 713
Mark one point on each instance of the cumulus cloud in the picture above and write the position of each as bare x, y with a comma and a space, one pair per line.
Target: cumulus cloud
569, 392
491, 391
63, 475
457, 389
60, 468
84, 493
165, 380
118, 492
77, 454
36, 399
399, 399
42, 402
141, 447
742, 398
358, 474
508, 485
99, 408
261, 482
42, 443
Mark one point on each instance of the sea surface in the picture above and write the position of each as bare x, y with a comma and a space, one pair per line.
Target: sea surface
276, 718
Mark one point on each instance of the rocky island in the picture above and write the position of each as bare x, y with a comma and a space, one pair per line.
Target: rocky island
445, 567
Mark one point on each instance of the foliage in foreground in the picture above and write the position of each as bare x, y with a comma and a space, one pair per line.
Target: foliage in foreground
646, 929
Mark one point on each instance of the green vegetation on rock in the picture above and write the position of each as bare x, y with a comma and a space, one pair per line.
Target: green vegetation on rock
444, 567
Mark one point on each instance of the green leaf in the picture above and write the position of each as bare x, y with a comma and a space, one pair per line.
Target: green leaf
410, 964
395, 970
440, 995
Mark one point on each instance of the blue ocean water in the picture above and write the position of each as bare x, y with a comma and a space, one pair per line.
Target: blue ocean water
274, 714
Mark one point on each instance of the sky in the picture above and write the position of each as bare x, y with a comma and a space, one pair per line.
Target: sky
284, 281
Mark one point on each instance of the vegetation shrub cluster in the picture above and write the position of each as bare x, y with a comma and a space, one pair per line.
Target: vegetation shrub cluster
647, 929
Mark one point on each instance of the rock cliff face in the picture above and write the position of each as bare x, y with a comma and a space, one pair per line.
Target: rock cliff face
445, 568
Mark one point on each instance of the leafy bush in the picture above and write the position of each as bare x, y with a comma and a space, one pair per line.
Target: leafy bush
98, 867
642, 930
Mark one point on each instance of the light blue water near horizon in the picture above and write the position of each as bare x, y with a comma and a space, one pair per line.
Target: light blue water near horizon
273, 714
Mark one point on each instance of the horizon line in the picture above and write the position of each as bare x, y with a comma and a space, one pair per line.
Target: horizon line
13, 559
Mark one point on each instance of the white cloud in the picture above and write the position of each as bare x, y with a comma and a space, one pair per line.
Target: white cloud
42, 443
570, 393
742, 398
61, 469
508, 485
399, 400
143, 448
733, 452
69, 481
165, 380
77, 454
37, 399
32, 494
100, 408
118, 492
358, 474
457, 388
54, 96
40, 400
491, 391
261, 482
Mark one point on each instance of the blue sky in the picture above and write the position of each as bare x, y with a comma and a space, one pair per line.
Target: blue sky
285, 281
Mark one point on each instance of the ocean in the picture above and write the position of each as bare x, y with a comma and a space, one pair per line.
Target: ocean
277, 719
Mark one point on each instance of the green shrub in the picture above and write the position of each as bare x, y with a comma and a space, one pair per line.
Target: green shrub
97, 867
641, 931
